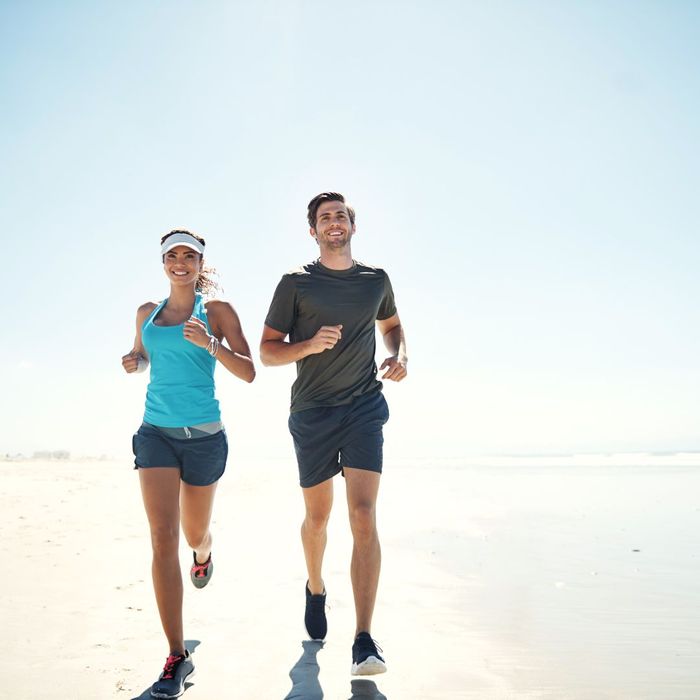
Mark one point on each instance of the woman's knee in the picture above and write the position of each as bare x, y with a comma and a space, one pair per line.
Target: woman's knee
165, 541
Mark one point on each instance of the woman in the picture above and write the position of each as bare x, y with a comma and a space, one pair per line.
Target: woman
181, 448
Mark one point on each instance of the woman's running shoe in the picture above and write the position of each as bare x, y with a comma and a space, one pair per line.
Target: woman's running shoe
171, 682
201, 573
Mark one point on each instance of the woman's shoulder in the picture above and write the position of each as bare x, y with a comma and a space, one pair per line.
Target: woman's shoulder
218, 306
145, 309
221, 313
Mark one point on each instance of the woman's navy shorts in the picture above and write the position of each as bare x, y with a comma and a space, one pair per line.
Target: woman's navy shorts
328, 438
201, 460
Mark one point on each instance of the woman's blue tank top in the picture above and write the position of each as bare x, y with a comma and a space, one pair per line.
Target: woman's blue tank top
181, 390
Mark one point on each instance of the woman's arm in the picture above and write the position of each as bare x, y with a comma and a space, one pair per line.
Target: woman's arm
136, 360
225, 325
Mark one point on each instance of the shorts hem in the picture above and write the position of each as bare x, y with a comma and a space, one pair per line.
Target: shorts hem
377, 469
310, 482
182, 478
208, 483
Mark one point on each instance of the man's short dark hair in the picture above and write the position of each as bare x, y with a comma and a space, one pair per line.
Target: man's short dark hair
319, 199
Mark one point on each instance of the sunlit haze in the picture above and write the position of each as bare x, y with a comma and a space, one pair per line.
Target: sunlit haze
524, 171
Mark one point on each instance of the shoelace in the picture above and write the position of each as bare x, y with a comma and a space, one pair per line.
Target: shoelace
200, 570
317, 603
368, 644
171, 663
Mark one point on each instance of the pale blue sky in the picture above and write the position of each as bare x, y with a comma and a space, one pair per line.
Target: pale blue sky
527, 172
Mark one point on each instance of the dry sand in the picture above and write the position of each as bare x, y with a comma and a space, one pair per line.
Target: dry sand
497, 583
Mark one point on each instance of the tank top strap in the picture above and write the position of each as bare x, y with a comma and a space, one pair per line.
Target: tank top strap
200, 310
154, 313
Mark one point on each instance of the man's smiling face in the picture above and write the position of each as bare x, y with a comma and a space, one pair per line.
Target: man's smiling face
333, 228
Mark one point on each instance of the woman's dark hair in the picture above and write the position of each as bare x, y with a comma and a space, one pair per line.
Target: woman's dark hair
206, 284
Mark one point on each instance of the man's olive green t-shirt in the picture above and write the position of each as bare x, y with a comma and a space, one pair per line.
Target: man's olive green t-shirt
313, 296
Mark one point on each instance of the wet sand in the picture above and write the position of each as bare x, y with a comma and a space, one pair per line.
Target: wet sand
498, 582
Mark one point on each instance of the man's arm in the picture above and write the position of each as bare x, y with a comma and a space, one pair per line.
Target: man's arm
392, 333
275, 350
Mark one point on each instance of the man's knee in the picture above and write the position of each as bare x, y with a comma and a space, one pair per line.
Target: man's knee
363, 521
316, 521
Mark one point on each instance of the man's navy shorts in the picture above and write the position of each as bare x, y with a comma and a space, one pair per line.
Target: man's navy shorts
201, 460
328, 438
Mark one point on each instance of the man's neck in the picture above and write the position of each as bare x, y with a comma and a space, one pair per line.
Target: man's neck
340, 260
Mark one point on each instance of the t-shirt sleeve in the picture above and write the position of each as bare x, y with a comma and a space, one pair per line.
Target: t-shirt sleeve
283, 306
387, 307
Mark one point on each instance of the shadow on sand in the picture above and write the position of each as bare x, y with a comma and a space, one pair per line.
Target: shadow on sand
190, 645
364, 689
306, 686
304, 674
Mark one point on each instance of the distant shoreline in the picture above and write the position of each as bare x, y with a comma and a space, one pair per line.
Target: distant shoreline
680, 458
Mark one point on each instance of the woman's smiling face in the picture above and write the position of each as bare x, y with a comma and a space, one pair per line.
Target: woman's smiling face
182, 265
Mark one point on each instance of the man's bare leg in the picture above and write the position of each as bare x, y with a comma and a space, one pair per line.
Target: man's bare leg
362, 488
318, 501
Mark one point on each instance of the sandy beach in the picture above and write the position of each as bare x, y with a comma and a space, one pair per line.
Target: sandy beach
498, 582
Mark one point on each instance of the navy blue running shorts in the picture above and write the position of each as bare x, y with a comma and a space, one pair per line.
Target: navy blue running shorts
201, 460
328, 438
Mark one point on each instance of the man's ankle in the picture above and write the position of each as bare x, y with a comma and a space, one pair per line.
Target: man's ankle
316, 588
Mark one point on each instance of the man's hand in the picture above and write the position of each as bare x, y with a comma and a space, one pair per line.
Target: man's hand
396, 368
130, 362
326, 338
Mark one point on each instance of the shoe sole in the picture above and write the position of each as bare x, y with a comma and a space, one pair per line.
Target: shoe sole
371, 666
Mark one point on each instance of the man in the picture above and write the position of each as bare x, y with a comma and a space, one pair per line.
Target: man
328, 309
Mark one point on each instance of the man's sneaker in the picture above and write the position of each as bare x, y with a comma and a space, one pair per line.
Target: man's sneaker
315, 615
366, 660
201, 573
171, 682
